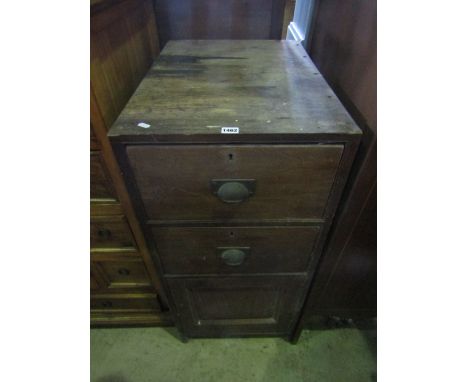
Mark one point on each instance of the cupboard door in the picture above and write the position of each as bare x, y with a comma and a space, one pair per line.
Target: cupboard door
237, 306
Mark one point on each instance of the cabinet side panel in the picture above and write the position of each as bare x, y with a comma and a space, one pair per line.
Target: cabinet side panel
343, 46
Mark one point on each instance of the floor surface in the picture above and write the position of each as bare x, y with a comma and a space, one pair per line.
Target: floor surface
155, 354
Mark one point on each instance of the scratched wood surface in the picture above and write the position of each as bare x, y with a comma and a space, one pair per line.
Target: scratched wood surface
262, 87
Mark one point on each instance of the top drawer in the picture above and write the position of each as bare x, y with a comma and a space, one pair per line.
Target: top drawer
210, 182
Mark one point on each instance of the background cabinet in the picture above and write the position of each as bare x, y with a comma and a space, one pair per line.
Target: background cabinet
343, 45
124, 286
219, 19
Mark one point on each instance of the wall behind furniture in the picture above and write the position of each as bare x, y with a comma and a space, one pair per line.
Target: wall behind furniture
343, 45
219, 19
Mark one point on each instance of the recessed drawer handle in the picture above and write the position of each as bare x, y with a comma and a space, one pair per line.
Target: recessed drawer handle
233, 190
104, 233
233, 256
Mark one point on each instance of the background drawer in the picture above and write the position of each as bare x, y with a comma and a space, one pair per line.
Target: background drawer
101, 184
268, 249
236, 306
110, 232
128, 273
126, 302
95, 284
93, 141
291, 181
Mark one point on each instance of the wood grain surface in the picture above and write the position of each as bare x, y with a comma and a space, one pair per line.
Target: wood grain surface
193, 250
262, 87
224, 306
296, 145
291, 181
344, 47
124, 44
219, 19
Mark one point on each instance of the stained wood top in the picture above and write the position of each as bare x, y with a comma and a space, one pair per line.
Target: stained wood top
264, 87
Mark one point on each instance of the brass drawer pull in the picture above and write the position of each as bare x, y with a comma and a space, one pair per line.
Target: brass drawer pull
233, 190
233, 256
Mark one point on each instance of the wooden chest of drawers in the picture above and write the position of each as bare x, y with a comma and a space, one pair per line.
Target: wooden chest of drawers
235, 154
124, 284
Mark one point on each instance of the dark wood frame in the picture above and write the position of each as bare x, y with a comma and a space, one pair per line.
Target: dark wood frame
105, 14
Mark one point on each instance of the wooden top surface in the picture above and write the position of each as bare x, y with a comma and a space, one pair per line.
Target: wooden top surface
263, 87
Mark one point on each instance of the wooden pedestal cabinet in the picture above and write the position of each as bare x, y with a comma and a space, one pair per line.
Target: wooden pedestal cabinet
235, 154
125, 289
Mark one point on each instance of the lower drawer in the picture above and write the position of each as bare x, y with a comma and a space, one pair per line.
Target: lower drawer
223, 250
110, 232
114, 273
237, 306
125, 302
101, 184
124, 318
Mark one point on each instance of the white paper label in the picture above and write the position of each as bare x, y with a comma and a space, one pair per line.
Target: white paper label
229, 130
144, 125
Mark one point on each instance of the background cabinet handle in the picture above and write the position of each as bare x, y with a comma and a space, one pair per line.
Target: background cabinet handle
233, 190
124, 271
104, 233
